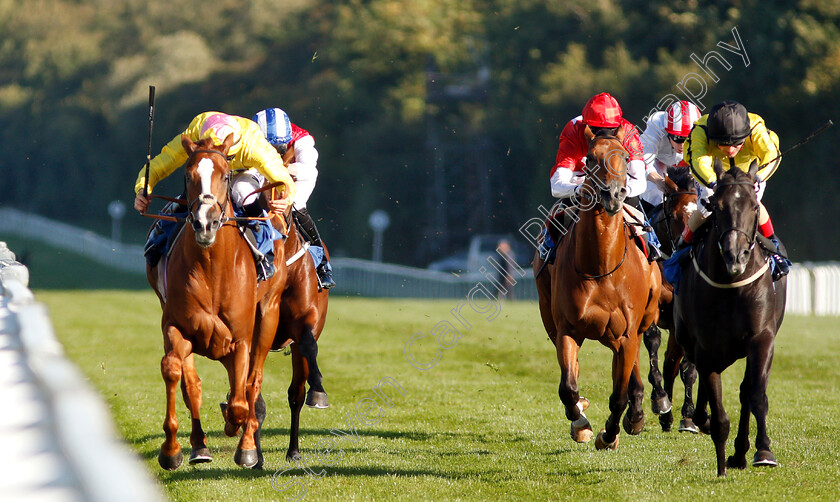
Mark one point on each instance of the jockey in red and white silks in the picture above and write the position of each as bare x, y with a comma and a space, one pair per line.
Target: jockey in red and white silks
600, 112
663, 141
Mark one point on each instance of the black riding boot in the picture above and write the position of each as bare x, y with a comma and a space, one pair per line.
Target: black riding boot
781, 263
306, 225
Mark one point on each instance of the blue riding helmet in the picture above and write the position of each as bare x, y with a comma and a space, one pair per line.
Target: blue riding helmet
275, 125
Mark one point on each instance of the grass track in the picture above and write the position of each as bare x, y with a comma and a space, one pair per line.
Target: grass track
484, 423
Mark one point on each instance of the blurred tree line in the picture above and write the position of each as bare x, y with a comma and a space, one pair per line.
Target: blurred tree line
362, 76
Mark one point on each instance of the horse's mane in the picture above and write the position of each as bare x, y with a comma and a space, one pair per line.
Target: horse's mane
681, 177
737, 175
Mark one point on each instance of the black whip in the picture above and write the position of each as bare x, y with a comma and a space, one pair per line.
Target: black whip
151, 125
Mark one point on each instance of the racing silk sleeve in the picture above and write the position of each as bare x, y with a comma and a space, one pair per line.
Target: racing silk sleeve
636, 179
305, 164
255, 152
572, 147
697, 153
171, 157
652, 139
765, 147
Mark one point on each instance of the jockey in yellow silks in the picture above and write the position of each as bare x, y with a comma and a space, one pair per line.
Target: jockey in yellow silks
736, 137
249, 151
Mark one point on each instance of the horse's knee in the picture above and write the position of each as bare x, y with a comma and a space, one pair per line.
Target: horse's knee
170, 368
653, 339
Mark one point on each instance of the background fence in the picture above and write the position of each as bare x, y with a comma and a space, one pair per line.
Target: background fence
813, 288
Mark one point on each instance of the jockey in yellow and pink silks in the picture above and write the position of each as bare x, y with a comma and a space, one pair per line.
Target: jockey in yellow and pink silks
249, 151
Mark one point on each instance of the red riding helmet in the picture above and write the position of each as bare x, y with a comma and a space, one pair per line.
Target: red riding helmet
602, 110
681, 117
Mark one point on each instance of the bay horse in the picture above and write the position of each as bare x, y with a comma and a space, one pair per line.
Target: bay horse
600, 287
208, 293
679, 200
728, 308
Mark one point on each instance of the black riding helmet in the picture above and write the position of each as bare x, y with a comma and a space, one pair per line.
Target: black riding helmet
728, 123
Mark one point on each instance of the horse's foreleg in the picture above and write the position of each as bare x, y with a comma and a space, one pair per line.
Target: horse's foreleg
670, 368
297, 392
720, 420
761, 358
567, 352
177, 349
236, 411
688, 375
624, 360
317, 396
634, 419
742, 440
191, 390
659, 400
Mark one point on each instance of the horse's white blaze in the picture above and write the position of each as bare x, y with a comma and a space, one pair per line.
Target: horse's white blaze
205, 172
690, 207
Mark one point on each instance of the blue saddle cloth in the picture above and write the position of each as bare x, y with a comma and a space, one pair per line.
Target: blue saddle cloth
672, 270
264, 232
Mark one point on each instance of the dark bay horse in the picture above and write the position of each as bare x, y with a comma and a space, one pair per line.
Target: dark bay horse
208, 294
728, 308
600, 287
679, 200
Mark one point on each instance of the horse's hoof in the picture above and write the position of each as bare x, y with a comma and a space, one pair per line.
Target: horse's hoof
660, 405
583, 404
170, 463
246, 458
293, 456
687, 425
764, 458
200, 456
666, 420
581, 430
633, 429
734, 462
317, 399
601, 444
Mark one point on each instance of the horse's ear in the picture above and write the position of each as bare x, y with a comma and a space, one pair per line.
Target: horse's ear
667, 185
753, 168
227, 143
188, 144
620, 134
718, 166
588, 134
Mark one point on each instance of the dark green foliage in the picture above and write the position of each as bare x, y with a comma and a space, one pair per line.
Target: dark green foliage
73, 99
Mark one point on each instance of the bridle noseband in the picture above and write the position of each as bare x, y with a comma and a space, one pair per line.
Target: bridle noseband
751, 238
223, 218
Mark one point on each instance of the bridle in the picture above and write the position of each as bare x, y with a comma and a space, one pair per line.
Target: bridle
666, 213
751, 238
196, 201
588, 173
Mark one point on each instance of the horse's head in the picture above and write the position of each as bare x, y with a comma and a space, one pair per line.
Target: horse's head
735, 208
208, 181
679, 200
606, 171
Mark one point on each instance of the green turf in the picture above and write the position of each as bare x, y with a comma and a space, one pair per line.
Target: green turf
484, 423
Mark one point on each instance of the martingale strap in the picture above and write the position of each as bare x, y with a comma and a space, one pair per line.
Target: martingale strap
737, 284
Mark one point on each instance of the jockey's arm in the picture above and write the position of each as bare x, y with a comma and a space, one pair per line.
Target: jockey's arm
636, 178
258, 153
698, 157
766, 149
564, 182
304, 166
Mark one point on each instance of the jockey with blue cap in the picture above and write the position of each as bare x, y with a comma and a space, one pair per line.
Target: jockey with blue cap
297, 147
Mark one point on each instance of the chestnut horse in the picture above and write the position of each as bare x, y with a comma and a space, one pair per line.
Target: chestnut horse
600, 287
728, 308
208, 293
679, 199
302, 315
